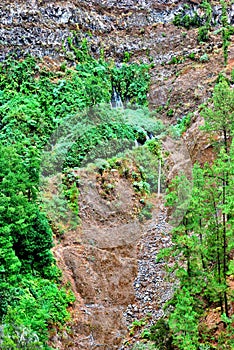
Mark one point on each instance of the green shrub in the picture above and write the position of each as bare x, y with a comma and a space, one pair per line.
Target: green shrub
192, 56
146, 212
184, 20
143, 346
181, 126
36, 305
160, 334
148, 162
203, 34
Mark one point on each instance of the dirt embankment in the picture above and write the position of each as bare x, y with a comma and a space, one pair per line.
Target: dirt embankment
99, 259
110, 259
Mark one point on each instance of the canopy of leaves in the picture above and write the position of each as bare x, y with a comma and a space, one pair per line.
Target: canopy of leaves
34, 103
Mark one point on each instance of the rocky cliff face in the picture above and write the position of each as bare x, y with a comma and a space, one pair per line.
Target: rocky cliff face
40, 27
107, 254
181, 77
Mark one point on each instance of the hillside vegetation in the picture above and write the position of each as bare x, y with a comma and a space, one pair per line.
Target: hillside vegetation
66, 118
34, 103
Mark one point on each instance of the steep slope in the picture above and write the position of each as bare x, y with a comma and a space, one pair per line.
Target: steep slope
109, 259
100, 260
181, 78
106, 259
110, 263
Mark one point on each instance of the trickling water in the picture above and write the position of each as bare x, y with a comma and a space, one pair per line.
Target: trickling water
147, 135
116, 101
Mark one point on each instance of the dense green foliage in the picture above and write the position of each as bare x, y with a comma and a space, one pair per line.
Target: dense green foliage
35, 305
130, 81
27, 266
202, 210
203, 241
36, 107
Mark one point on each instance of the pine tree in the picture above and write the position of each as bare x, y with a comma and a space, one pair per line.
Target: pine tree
203, 240
219, 115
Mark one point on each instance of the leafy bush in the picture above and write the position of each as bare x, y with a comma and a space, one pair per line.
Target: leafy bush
36, 106
146, 212
131, 81
147, 159
160, 334
36, 304
204, 58
143, 346
203, 34
181, 126
182, 19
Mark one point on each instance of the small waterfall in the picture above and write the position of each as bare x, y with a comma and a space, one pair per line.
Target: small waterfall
148, 135
116, 101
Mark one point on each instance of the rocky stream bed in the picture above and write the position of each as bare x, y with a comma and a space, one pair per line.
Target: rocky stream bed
151, 287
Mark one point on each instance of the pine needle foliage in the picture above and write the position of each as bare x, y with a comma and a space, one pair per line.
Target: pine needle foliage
203, 240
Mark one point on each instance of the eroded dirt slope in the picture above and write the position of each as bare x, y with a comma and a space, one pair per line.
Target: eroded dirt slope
100, 260
109, 259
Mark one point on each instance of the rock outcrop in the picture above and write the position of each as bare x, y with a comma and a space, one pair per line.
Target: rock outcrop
182, 76
41, 27
110, 260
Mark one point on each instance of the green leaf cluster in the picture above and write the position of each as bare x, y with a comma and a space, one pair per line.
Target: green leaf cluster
36, 106
203, 234
36, 303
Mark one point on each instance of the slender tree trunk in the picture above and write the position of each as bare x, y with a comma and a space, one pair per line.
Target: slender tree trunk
225, 246
225, 140
187, 252
201, 242
218, 254
224, 217
159, 176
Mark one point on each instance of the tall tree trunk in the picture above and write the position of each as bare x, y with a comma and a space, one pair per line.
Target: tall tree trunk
201, 242
225, 246
218, 254
159, 176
